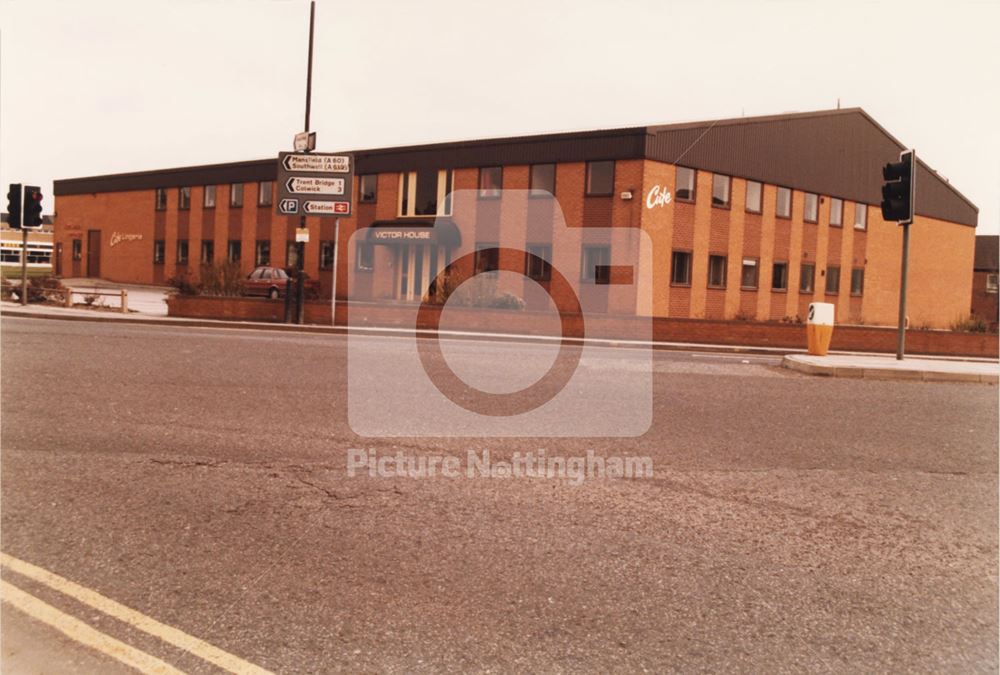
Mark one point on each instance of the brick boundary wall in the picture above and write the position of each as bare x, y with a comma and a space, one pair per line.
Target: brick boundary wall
695, 331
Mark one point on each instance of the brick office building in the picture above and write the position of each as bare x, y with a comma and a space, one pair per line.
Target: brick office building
986, 280
748, 218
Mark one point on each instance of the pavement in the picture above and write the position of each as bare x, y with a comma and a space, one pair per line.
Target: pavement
198, 476
888, 368
146, 300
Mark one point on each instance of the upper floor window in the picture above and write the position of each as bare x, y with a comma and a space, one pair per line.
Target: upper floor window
783, 206
184, 198
836, 212
600, 178
490, 181
860, 217
368, 188
426, 192
720, 190
236, 195
543, 180
161, 199
208, 201
264, 190
754, 191
810, 208
685, 184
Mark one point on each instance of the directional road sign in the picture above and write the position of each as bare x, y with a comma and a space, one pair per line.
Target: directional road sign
314, 184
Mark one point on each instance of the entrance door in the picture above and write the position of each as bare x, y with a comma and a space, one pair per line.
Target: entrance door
418, 265
93, 253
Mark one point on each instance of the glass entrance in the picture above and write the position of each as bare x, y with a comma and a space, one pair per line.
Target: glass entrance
417, 265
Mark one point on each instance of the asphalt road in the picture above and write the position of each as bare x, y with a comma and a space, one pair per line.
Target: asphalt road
199, 477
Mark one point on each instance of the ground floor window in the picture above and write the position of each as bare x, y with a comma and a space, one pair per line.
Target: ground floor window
538, 265
680, 268
182, 251
262, 252
77, 249
857, 281
366, 257
235, 251
807, 276
10, 255
717, 271
779, 277
159, 251
326, 255
487, 257
992, 283
207, 252
748, 276
596, 264
833, 279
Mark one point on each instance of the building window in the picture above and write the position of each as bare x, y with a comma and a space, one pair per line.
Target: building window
810, 211
833, 279
860, 217
600, 178
680, 268
182, 251
208, 201
426, 192
368, 188
365, 260
487, 257
184, 198
235, 250
292, 254
490, 181
596, 268
543, 180
720, 190
754, 190
783, 206
326, 255
991, 283
262, 252
161, 199
537, 264
779, 277
836, 212
159, 251
685, 191
207, 252
748, 277
10, 255
77, 249
807, 277
717, 271
857, 281
264, 190
236, 195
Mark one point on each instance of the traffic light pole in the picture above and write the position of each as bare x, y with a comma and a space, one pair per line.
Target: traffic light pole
24, 266
901, 334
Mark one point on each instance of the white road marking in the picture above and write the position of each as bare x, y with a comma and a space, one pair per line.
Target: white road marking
168, 634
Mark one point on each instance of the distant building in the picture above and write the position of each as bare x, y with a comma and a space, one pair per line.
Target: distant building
985, 277
40, 245
751, 217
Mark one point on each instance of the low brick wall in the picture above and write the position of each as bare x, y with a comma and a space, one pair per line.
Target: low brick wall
695, 331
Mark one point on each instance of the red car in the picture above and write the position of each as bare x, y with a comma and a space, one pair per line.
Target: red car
270, 282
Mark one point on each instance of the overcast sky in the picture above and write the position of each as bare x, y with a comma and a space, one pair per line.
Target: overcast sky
101, 87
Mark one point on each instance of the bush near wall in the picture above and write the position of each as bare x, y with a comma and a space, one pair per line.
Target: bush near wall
694, 331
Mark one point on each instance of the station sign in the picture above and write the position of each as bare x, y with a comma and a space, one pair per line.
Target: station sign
314, 184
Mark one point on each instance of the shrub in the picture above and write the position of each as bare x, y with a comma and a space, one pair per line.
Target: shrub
184, 284
969, 324
224, 279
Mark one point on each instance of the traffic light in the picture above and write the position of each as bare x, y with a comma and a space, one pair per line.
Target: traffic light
897, 192
32, 206
14, 206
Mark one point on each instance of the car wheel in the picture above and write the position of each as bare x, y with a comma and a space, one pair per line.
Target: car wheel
273, 294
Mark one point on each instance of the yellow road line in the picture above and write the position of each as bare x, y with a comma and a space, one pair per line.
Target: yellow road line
77, 630
178, 638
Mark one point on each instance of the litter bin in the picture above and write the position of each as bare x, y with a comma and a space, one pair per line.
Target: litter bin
819, 328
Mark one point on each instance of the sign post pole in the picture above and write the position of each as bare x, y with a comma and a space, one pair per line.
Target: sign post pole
301, 246
24, 265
